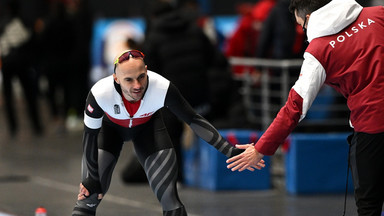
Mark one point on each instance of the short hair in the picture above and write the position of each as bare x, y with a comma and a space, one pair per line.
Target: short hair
305, 7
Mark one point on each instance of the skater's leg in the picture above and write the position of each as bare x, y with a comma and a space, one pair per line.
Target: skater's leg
161, 170
158, 158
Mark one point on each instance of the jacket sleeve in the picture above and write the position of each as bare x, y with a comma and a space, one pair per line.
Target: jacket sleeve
93, 116
175, 102
301, 97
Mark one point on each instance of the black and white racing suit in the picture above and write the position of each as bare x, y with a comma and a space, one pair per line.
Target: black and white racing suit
105, 114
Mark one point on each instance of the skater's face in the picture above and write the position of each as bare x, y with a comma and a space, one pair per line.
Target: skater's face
131, 74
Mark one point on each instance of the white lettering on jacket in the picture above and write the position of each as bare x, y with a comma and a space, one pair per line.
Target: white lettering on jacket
349, 33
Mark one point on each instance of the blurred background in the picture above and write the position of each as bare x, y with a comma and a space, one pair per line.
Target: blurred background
233, 60
67, 45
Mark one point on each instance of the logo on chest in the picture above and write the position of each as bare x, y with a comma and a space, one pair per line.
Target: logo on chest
146, 114
116, 108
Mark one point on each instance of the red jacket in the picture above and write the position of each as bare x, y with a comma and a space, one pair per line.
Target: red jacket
352, 62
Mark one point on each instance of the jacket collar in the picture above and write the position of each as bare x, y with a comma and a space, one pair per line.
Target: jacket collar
332, 18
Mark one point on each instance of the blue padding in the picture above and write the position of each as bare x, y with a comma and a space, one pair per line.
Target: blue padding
205, 167
317, 163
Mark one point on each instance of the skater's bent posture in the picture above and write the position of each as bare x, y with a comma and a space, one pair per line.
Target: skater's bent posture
127, 106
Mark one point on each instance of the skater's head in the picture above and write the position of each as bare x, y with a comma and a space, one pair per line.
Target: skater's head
130, 73
126, 55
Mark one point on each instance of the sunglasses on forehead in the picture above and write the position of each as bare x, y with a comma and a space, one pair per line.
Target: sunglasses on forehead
126, 55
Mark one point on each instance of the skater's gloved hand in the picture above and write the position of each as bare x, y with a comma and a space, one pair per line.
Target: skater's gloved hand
89, 187
236, 151
84, 193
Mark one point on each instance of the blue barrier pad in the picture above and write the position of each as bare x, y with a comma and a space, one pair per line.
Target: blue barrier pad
205, 167
317, 163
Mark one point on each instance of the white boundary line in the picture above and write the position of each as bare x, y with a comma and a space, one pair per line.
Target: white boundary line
108, 198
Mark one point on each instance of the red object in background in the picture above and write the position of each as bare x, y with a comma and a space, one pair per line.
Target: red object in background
232, 139
285, 146
41, 211
243, 42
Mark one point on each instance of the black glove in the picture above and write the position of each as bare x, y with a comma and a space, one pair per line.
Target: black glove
92, 185
236, 151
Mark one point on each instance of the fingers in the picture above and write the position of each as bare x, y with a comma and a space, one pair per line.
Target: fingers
261, 163
251, 169
233, 159
83, 192
243, 146
81, 197
237, 167
250, 159
244, 167
247, 147
100, 196
236, 162
240, 165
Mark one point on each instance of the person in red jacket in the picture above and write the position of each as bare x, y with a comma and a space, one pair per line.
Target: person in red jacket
346, 52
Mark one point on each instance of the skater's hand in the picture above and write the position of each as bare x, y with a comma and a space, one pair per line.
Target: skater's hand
83, 192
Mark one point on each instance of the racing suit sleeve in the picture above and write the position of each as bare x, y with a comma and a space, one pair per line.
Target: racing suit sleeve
93, 116
300, 98
175, 102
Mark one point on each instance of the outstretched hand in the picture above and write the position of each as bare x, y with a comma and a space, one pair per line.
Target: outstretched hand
250, 159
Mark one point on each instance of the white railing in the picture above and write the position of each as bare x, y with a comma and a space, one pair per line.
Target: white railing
265, 95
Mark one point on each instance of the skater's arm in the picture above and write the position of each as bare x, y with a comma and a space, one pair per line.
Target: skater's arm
93, 116
183, 110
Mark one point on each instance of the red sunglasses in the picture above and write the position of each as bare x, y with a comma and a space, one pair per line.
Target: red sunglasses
126, 55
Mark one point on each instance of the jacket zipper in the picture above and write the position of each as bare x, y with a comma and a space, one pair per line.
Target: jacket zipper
130, 121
